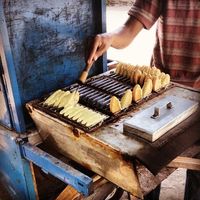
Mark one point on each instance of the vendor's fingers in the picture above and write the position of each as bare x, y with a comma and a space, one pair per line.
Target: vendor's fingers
100, 52
96, 45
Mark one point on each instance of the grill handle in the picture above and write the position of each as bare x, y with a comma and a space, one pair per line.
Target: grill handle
158, 110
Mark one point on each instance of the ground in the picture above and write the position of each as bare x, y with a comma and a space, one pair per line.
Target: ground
139, 52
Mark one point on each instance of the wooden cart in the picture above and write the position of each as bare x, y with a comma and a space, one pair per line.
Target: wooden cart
110, 153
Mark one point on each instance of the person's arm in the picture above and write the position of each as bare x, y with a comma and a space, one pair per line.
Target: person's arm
118, 39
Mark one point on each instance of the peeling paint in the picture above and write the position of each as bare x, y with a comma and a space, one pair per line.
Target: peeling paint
48, 42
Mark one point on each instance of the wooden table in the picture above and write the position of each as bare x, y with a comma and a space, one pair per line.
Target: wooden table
110, 153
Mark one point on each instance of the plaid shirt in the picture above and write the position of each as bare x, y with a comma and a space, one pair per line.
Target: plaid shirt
177, 48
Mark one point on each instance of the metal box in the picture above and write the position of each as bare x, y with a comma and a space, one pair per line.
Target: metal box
148, 125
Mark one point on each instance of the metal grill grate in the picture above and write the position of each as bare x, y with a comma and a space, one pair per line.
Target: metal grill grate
111, 85
96, 94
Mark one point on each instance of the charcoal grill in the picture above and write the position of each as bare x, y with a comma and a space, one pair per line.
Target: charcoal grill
96, 94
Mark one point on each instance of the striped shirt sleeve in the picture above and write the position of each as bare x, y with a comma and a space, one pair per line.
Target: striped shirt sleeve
146, 11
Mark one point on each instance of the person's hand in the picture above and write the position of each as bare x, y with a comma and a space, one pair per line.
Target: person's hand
118, 39
100, 45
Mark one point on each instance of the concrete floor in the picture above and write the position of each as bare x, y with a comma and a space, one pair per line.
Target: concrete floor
139, 52
173, 187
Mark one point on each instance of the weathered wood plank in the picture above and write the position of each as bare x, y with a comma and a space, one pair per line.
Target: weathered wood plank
148, 181
88, 151
102, 192
185, 162
34, 138
34, 181
70, 193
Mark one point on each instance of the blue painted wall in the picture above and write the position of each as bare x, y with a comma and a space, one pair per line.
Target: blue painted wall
48, 42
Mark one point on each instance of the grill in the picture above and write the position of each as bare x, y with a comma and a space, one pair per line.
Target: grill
112, 84
96, 94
